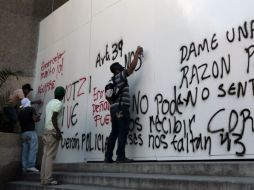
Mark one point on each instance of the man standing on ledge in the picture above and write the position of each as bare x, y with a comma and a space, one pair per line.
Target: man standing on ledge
119, 109
51, 136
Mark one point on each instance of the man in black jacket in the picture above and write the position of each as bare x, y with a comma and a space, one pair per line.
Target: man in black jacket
27, 118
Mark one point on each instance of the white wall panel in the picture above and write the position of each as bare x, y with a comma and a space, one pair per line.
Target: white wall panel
63, 21
99, 6
189, 51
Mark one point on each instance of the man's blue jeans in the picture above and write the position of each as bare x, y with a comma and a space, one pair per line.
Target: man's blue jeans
29, 149
120, 117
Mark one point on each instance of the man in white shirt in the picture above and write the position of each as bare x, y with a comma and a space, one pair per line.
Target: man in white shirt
51, 136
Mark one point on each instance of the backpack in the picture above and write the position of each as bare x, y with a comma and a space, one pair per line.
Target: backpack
112, 91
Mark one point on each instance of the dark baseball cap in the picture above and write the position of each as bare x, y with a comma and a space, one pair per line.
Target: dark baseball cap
59, 91
28, 87
116, 66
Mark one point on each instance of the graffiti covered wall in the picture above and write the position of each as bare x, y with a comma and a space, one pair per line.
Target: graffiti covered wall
191, 93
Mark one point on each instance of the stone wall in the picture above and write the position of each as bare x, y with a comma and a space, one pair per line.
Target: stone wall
18, 35
19, 23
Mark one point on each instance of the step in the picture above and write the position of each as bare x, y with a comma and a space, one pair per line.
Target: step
222, 168
28, 185
152, 181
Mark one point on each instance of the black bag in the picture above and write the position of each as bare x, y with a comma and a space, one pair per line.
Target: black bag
112, 92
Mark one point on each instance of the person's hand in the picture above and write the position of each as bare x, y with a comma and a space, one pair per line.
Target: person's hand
38, 101
37, 118
139, 50
59, 135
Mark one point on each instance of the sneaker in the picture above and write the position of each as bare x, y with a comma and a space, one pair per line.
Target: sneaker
32, 169
108, 161
43, 182
51, 182
24, 170
124, 160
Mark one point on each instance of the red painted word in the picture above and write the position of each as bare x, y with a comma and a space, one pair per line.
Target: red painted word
97, 94
102, 120
53, 67
46, 87
101, 106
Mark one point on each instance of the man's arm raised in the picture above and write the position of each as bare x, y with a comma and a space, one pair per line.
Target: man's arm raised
134, 62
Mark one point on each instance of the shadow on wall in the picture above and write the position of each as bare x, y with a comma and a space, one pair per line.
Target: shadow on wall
42, 8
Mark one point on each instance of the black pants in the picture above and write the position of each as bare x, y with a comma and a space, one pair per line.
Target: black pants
120, 117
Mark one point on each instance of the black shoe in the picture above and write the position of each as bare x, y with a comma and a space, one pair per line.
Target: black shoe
124, 160
108, 161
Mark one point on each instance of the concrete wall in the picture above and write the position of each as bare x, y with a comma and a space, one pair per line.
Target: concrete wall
18, 35
19, 23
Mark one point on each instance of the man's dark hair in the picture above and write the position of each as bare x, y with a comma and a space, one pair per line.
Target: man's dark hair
27, 86
116, 67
